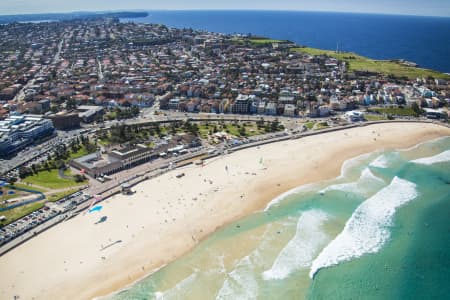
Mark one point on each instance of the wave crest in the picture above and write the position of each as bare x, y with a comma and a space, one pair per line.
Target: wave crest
439, 158
366, 231
366, 180
300, 250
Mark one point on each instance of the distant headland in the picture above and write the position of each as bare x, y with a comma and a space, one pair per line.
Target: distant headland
68, 16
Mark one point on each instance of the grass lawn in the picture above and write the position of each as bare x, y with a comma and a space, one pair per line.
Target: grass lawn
309, 125
55, 197
321, 125
25, 186
251, 129
81, 152
407, 111
18, 212
373, 117
361, 63
111, 115
51, 180
264, 41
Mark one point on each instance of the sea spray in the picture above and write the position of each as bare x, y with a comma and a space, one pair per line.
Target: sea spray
367, 229
301, 249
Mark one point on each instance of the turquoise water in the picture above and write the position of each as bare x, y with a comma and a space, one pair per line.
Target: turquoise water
379, 231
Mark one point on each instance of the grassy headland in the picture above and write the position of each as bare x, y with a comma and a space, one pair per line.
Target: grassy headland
386, 67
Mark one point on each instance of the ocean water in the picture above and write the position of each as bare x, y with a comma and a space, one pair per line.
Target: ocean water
424, 40
378, 231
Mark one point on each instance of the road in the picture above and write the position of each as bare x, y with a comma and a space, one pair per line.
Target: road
99, 70
58, 52
36, 153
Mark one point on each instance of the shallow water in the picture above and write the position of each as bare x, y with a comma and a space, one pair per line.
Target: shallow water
378, 231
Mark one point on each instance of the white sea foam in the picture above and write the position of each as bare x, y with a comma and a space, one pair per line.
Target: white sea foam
241, 282
365, 181
178, 289
302, 248
424, 143
439, 158
303, 188
346, 166
381, 161
351, 163
367, 229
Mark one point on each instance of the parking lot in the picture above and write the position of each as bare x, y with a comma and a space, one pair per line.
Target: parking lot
30, 222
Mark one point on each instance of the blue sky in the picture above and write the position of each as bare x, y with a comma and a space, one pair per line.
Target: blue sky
410, 7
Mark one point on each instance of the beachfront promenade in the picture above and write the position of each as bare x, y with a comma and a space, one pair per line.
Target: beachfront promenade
160, 166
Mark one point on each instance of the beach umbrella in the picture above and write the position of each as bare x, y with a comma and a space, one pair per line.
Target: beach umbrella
95, 200
96, 208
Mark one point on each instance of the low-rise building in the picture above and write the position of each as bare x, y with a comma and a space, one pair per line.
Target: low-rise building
354, 116
18, 131
65, 120
88, 113
98, 164
271, 108
289, 110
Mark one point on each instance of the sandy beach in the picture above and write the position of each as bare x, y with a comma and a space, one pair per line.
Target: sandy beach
167, 216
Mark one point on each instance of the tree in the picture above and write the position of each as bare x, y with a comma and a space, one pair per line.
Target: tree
12, 180
59, 164
34, 168
242, 131
79, 178
71, 104
274, 125
173, 129
24, 172
194, 129
416, 109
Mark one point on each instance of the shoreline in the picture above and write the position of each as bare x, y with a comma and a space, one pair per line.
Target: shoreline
93, 277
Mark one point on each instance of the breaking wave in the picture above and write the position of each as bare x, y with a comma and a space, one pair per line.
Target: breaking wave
302, 248
296, 190
367, 229
439, 158
241, 282
366, 180
178, 289
346, 167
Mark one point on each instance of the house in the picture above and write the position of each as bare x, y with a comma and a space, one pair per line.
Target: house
261, 108
271, 108
354, 116
289, 110
174, 103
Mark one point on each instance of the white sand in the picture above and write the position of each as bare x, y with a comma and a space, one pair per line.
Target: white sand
168, 216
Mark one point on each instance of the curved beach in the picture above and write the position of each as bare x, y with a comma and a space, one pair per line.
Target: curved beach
168, 216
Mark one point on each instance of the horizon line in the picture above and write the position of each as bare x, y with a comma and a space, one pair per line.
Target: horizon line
227, 9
